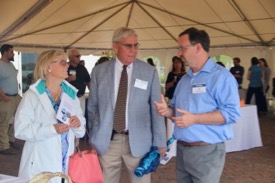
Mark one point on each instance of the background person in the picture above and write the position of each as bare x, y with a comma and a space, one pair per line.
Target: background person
255, 86
82, 62
9, 100
79, 78
78, 75
141, 126
174, 76
238, 71
151, 62
266, 75
101, 60
204, 105
48, 142
220, 63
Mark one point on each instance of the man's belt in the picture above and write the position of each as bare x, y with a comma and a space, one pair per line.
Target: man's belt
123, 132
11, 95
191, 144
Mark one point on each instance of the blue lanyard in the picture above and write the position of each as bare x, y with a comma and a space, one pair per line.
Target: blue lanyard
169, 142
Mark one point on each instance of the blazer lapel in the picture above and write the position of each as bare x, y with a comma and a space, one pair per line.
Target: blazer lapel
135, 74
111, 82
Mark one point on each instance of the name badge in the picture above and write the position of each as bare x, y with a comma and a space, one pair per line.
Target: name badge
141, 84
199, 88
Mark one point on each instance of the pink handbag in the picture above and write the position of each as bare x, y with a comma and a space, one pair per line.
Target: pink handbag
84, 167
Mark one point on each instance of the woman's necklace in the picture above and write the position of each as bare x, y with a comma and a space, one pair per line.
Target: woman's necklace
55, 94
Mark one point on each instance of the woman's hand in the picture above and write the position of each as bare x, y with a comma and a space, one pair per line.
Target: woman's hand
74, 122
61, 128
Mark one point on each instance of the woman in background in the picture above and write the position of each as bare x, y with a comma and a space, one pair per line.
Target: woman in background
48, 141
255, 75
178, 70
266, 75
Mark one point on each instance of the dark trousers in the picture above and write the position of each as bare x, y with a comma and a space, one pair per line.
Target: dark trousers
259, 98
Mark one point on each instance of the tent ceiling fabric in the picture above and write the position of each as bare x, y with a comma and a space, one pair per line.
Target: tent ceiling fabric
89, 24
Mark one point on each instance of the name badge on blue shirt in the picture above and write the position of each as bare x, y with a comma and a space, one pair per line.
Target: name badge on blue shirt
199, 88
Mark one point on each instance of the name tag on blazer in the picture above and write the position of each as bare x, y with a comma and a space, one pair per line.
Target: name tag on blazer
141, 84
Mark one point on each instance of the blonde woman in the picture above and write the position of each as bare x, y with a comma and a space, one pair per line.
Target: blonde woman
48, 142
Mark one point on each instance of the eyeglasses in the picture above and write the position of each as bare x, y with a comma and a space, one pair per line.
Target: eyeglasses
130, 46
184, 47
62, 62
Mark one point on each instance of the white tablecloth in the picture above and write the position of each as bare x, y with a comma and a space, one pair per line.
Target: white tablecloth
246, 132
11, 179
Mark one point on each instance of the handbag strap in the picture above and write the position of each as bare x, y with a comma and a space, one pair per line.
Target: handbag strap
91, 149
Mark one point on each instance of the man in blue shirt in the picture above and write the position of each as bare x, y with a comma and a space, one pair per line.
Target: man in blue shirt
205, 104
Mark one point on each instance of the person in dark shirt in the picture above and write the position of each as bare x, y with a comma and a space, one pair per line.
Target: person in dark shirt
220, 63
178, 70
151, 62
78, 77
237, 71
101, 60
82, 62
78, 74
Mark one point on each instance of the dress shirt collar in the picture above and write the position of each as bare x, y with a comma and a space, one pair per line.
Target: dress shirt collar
208, 66
120, 65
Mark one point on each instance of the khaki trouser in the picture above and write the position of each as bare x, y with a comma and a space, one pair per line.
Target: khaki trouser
118, 153
7, 111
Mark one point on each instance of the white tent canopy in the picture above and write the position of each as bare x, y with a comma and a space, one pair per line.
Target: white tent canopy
243, 28
89, 24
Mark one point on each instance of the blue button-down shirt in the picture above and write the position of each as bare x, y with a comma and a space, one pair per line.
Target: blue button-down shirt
212, 88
